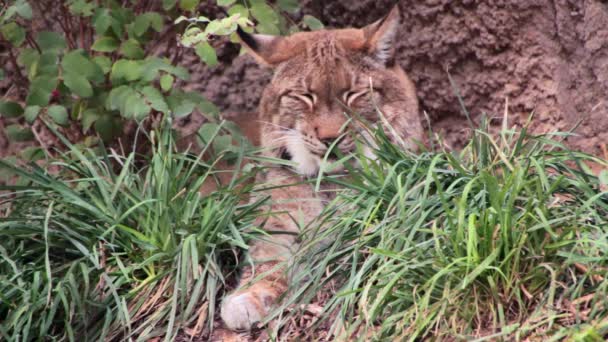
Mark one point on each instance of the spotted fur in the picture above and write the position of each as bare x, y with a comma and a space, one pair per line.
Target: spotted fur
319, 78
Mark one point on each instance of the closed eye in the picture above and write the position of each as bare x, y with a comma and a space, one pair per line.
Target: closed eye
350, 96
309, 98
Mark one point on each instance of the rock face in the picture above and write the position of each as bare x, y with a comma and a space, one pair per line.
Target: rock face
549, 57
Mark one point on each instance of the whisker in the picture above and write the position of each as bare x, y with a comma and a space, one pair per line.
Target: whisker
276, 125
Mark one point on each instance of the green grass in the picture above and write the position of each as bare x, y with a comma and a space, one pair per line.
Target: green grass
115, 247
506, 239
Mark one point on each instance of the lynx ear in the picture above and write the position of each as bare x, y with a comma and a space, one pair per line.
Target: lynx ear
381, 37
266, 49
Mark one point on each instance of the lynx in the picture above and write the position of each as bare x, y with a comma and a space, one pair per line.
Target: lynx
317, 76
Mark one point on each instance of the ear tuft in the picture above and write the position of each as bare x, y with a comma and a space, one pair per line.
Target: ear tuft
262, 47
247, 39
381, 37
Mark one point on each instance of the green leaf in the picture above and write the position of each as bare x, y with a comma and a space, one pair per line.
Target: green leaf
104, 62
121, 16
1, 74
166, 82
179, 104
239, 9
143, 22
82, 7
10, 109
59, 115
52, 41
168, 4
27, 57
13, 33
47, 65
290, 6
188, 5
105, 44
268, 28
312, 22
24, 10
131, 49
102, 20
141, 25
156, 21
107, 127
40, 90
264, 13
126, 69
135, 107
78, 84
155, 99
32, 153
152, 65
225, 2
88, 118
19, 133
206, 53
117, 98
31, 113
604, 177
75, 62
208, 108
222, 143
207, 131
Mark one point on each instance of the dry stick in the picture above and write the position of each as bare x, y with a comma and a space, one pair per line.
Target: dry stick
43, 13
177, 56
584, 269
81, 29
67, 26
160, 40
66, 31
91, 32
32, 42
16, 66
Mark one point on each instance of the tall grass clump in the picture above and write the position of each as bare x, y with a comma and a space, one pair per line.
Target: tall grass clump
118, 246
503, 240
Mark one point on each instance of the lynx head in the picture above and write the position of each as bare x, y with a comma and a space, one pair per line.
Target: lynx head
322, 76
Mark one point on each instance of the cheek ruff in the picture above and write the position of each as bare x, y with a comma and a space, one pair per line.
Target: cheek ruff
307, 164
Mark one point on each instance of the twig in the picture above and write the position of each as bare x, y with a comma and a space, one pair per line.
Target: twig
159, 41
32, 42
16, 66
38, 138
43, 13
67, 26
177, 56
584, 269
81, 33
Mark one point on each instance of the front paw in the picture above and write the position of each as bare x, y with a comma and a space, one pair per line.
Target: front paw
241, 310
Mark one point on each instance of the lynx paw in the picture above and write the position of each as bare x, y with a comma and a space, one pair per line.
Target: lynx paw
241, 310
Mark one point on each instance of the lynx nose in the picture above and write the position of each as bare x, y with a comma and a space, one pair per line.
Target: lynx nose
329, 129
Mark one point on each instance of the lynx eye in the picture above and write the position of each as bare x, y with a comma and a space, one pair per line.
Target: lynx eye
350, 96
309, 98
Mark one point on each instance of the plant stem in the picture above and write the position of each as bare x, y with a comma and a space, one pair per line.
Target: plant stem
13, 60
32, 42
81, 27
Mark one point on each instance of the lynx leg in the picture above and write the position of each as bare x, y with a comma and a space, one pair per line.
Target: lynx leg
253, 300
